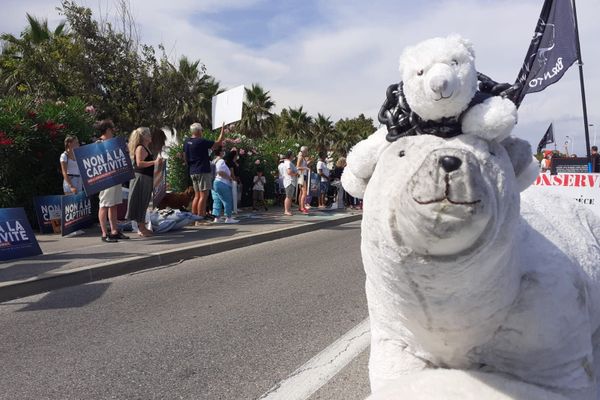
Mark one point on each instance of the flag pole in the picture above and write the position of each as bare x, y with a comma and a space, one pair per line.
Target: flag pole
580, 63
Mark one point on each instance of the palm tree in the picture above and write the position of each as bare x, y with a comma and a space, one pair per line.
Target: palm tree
296, 124
323, 132
38, 31
346, 136
16, 49
257, 118
192, 91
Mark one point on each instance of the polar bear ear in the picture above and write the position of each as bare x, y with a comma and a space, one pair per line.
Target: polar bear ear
361, 162
525, 165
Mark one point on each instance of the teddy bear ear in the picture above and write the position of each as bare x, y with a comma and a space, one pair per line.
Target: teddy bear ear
525, 165
361, 162
465, 42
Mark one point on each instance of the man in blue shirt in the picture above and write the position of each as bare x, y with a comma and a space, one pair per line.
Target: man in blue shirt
195, 152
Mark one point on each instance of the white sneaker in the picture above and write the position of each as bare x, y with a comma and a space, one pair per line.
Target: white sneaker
231, 220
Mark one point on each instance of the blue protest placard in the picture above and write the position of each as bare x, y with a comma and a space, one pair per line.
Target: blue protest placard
16, 236
104, 164
159, 188
76, 213
47, 211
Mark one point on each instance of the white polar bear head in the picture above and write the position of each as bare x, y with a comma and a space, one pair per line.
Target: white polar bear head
439, 77
445, 196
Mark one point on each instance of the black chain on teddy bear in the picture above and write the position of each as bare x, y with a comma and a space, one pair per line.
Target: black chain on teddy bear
401, 121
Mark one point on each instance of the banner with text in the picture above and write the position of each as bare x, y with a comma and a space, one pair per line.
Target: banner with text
104, 164
47, 211
76, 213
159, 188
16, 236
584, 188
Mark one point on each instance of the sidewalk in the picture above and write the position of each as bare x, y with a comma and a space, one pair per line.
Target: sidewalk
83, 259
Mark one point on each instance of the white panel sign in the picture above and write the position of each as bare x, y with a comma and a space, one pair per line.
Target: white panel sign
584, 188
227, 107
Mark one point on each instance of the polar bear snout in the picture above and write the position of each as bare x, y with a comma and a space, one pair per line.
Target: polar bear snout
450, 163
448, 203
448, 175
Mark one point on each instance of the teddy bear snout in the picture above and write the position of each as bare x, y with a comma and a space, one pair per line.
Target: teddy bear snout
442, 80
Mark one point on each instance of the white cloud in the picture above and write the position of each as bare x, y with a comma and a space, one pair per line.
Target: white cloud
342, 65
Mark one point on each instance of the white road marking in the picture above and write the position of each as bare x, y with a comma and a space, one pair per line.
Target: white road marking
307, 379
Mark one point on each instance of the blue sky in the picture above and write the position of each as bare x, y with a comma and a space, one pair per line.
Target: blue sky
337, 57
257, 26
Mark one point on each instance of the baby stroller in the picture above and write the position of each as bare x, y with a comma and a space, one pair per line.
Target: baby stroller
331, 194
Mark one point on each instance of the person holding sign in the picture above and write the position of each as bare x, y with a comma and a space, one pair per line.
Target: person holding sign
68, 166
109, 198
195, 153
140, 187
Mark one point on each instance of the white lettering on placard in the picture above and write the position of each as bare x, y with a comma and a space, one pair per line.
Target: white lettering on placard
50, 211
103, 163
77, 210
12, 231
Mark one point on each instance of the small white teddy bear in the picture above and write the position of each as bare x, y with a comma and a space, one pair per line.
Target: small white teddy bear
458, 275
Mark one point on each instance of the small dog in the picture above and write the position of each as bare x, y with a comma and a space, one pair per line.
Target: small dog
178, 200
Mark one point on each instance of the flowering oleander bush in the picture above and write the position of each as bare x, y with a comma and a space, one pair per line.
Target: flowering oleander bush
32, 137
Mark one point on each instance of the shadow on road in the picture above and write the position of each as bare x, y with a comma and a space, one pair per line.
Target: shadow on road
66, 298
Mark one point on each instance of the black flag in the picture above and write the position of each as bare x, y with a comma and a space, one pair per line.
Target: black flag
548, 138
552, 50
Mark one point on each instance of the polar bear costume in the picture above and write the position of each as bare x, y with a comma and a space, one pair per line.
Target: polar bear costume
463, 273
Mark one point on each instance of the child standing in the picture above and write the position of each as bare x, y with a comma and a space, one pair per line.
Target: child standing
258, 191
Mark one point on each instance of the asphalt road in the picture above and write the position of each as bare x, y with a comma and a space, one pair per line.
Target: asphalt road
226, 326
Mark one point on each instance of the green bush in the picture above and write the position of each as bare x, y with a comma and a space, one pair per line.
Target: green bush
177, 176
32, 136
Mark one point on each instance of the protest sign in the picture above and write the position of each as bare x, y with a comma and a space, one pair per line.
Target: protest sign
583, 188
47, 211
16, 236
159, 187
227, 107
76, 213
104, 164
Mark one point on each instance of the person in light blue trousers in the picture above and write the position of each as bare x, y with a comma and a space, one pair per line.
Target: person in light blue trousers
222, 189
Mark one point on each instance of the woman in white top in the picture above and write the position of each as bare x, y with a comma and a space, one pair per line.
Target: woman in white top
290, 179
222, 189
303, 170
70, 171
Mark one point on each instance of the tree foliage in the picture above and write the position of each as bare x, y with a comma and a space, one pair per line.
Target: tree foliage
258, 119
106, 67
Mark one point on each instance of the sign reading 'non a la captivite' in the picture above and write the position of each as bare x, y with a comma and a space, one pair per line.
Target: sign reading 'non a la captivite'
16, 236
104, 164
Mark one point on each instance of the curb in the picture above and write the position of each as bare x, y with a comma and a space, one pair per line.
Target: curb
78, 276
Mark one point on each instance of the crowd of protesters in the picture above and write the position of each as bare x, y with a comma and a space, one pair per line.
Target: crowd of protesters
214, 174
